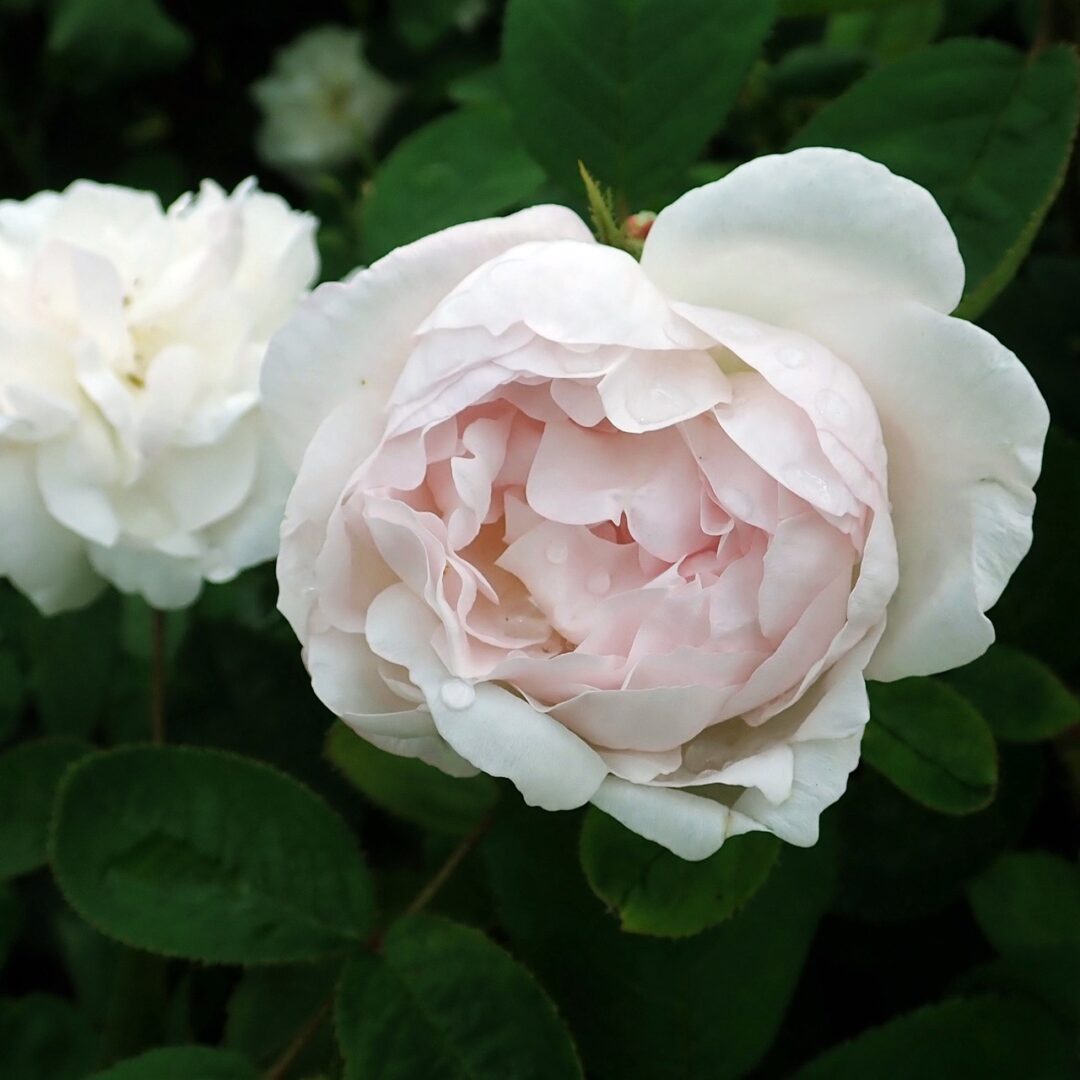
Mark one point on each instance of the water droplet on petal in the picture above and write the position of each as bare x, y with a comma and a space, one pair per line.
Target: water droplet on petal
791, 356
832, 407
654, 406
598, 583
457, 694
808, 484
557, 552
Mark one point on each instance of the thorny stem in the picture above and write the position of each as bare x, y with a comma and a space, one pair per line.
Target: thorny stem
453, 861
279, 1070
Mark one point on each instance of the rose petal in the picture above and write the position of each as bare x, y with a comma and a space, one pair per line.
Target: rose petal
692, 826
354, 337
497, 732
815, 225
964, 424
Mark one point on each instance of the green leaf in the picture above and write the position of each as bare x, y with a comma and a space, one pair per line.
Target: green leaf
43, 1038
410, 789
634, 88
442, 1000
931, 743
815, 71
1019, 697
75, 659
903, 861
181, 1063
461, 167
890, 32
988, 1038
480, 87
1046, 974
109, 41
247, 691
984, 128
1028, 899
29, 775
270, 1005
648, 1007
654, 892
204, 855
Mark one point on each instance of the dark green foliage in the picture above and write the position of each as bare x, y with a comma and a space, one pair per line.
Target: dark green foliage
931, 743
654, 892
634, 88
442, 1001
204, 855
29, 775
986, 130
243, 902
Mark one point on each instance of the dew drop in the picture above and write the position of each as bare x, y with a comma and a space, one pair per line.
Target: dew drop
654, 407
791, 356
832, 408
457, 694
598, 583
808, 484
557, 552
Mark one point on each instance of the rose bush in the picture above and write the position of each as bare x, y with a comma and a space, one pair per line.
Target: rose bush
132, 448
637, 534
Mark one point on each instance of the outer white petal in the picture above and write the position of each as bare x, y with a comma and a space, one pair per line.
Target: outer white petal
166, 581
355, 336
340, 444
815, 224
828, 723
964, 426
575, 292
345, 676
692, 826
251, 535
44, 560
499, 733
821, 771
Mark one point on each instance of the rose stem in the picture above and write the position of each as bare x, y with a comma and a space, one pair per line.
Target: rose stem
280, 1068
157, 675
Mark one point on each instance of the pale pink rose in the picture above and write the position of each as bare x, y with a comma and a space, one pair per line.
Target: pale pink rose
636, 534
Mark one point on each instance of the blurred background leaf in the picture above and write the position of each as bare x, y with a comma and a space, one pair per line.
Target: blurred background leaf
634, 88
987, 132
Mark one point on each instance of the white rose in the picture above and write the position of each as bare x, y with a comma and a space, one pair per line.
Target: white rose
321, 101
132, 446
637, 534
